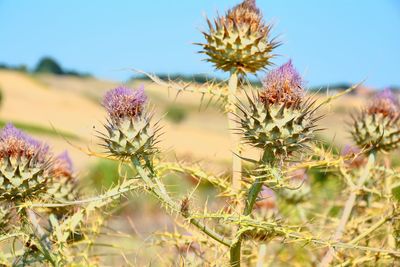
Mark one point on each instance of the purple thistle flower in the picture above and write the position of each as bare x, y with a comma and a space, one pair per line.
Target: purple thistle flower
123, 102
62, 165
388, 94
15, 143
283, 85
385, 103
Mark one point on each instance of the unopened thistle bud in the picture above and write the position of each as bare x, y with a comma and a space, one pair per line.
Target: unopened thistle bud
298, 189
377, 126
24, 165
239, 41
64, 186
279, 119
129, 130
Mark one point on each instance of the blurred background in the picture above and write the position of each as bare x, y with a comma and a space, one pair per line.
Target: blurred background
57, 59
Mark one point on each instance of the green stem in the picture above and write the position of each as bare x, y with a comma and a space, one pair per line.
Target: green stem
157, 188
268, 159
235, 251
371, 229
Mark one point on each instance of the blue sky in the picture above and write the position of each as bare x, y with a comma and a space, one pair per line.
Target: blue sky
329, 41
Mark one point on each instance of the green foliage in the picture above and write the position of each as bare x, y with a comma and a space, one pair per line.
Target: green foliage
102, 174
21, 68
175, 114
48, 65
51, 66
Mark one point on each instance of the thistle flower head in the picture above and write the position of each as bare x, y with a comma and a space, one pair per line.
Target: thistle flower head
239, 40
15, 143
384, 103
123, 102
129, 130
24, 165
62, 165
283, 85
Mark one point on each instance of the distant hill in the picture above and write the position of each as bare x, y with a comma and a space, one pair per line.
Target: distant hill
46, 65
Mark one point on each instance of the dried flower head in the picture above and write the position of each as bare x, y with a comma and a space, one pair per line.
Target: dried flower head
123, 102
247, 14
354, 157
15, 143
283, 85
267, 199
385, 103
62, 165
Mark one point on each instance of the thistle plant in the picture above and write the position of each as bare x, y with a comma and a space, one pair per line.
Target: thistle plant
238, 43
129, 131
377, 127
25, 164
297, 201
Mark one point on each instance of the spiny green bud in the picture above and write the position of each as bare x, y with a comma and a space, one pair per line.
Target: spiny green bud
129, 132
278, 119
377, 126
239, 41
24, 165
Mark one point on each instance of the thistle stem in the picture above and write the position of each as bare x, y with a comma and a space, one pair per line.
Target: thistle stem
157, 188
347, 210
235, 138
254, 190
371, 229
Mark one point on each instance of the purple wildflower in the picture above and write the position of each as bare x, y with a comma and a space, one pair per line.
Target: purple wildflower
62, 165
15, 143
283, 85
385, 103
123, 102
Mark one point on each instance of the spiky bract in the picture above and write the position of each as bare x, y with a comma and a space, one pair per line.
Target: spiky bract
131, 137
129, 132
377, 126
24, 165
5, 218
239, 41
275, 128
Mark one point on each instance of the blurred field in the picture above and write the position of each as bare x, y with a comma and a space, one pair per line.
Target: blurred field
68, 108
66, 112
